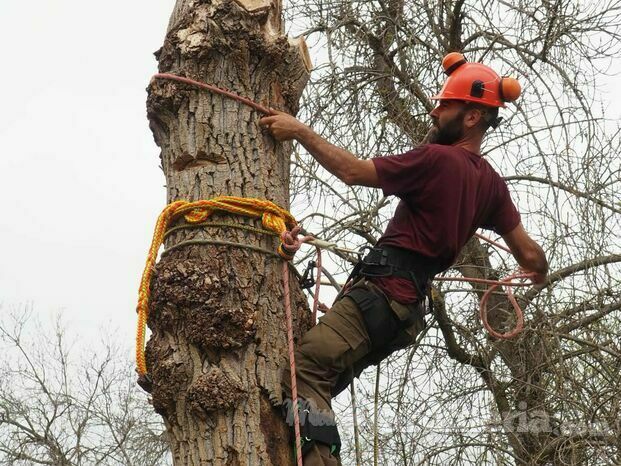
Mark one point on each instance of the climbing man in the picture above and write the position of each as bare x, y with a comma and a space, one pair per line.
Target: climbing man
447, 190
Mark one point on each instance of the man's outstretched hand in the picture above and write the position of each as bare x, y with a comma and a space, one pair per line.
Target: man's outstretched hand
282, 126
539, 278
535, 277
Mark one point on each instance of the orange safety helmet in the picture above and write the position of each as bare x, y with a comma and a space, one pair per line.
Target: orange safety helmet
475, 82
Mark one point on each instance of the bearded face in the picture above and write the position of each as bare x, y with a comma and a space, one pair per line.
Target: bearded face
449, 132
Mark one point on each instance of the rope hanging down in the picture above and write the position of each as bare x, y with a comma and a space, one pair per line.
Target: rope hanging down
291, 349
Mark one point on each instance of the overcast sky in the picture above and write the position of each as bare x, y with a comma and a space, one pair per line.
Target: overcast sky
79, 178
80, 185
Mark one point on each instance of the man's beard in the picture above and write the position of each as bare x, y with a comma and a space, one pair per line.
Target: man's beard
451, 132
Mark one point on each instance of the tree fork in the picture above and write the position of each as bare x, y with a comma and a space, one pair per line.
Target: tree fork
218, 340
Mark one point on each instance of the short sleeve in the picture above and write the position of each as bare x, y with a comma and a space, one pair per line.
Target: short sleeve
505, 216
405, 173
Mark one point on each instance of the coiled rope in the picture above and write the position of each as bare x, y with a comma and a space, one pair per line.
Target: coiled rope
514, 280
273, 218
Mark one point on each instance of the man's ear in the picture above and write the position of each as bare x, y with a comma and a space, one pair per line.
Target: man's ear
473, 117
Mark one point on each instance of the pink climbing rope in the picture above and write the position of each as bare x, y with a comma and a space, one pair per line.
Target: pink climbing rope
215, 89
317, 286
507, 283
491, 241
291, 244
294, 385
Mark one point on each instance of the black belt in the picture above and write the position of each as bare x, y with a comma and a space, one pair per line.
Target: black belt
391, 261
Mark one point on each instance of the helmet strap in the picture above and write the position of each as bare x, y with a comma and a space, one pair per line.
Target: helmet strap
494, 124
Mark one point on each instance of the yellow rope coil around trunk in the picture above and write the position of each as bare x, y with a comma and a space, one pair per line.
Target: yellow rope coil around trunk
273, 218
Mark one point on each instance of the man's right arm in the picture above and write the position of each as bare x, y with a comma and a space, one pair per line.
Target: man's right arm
527, 252
340, 162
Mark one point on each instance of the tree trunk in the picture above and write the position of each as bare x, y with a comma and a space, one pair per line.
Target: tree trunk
218, 340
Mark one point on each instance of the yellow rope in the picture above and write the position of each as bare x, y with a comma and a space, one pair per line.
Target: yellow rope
273, 218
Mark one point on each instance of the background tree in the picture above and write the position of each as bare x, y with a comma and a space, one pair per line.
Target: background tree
63, 407
552, 396
218, 337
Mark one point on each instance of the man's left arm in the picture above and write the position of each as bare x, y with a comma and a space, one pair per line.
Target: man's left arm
527, 253
340, 162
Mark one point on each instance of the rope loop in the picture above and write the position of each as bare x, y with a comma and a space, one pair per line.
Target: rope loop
507, 283
198, 215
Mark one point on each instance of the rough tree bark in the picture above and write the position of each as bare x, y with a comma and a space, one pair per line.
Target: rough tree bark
217, 318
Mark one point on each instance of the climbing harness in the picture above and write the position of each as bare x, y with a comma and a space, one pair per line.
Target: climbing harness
391, 261
386, 261
381, 322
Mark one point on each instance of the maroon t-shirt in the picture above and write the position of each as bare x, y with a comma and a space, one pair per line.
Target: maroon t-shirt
446, 193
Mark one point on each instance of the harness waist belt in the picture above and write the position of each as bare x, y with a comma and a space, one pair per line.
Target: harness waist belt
386, 261
398, 257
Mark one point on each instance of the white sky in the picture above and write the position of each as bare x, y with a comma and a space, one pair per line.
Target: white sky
80, 185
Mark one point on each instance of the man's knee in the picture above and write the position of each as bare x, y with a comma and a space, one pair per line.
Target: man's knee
326, 347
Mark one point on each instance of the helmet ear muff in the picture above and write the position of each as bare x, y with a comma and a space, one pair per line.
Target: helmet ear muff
509, 89
452, 61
